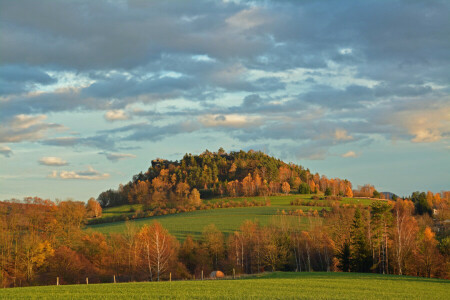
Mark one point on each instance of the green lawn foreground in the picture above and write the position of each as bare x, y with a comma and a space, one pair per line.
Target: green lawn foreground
227, 220
277, 285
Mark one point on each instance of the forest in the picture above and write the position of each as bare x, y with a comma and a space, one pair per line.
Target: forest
41, 239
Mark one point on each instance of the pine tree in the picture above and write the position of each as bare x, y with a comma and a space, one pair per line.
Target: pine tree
361, 258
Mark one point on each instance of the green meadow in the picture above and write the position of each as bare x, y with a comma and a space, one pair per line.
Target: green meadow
227, 220
277, 285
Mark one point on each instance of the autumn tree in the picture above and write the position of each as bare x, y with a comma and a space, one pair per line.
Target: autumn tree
93, 208
286, 188
194, 197
405, 231
213, 240
158, 249
429, 255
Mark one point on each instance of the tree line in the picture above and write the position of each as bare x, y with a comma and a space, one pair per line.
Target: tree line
41, 240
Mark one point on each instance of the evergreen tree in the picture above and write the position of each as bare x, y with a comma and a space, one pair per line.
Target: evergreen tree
361, 258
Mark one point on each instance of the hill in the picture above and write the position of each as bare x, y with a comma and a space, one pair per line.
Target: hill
279, 285
176, 184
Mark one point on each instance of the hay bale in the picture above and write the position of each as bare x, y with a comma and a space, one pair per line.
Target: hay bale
216, 274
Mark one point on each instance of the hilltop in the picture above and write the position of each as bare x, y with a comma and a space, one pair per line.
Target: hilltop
170, 184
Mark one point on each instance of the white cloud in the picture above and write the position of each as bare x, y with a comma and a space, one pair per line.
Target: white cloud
118, 156
342, 135
349, 154
116, 115
230, 120
89, 174
5, 150
52, 161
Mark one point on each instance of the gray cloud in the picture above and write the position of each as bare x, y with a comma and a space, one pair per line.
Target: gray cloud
303, 69
25, 128
100, 141
115, 157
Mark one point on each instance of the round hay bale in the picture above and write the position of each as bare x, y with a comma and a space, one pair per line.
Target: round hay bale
216, 274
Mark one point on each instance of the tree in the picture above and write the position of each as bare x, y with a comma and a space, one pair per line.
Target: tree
361, 258
194, 197
381, 219
344, 256
286, 188
213, 241
328, 191
94, 209
304, 188
405, 231
421, 203
429, 254
158, 248
348, 192
376, 194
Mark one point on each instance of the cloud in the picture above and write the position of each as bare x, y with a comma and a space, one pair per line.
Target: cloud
89, 174
426, 126
304, 74
342, 135
26, 128
349, 154
6, 151
231, 120
114, 157
21, 78
115, 115
52, 161
100, 141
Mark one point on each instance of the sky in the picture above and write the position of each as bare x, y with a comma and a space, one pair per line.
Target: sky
92, 91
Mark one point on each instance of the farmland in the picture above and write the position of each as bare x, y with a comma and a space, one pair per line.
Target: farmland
226, 219
277, 285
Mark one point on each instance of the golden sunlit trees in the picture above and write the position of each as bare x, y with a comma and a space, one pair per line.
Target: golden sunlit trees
213, 240
404, 235
158, 248
286, 188
94, 210
194, 197
348, 191
429, 255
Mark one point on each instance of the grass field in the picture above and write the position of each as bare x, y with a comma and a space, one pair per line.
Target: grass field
268, 286
226, 219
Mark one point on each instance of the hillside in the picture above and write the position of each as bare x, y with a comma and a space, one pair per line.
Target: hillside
175, 184
227, 220
279, 285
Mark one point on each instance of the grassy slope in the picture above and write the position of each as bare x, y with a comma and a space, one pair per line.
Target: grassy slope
269, 286
226, 219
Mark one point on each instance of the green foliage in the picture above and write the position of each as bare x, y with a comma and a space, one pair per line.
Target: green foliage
344, 257
376, 194
304, 188
277, 285
361, 259
328, 191
421, 204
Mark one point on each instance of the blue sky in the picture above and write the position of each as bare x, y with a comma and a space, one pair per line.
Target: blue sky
92, 91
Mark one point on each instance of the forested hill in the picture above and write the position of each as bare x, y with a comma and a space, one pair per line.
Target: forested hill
211, 174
